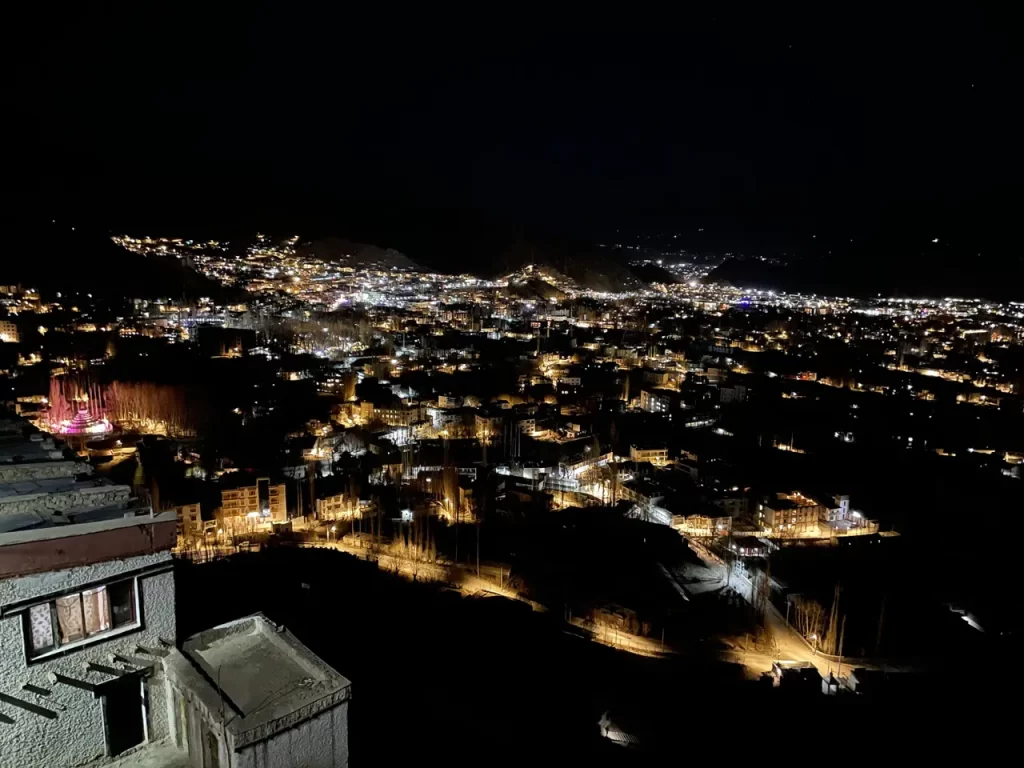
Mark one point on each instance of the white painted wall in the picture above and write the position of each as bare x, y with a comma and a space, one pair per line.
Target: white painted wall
76, 735
321, 742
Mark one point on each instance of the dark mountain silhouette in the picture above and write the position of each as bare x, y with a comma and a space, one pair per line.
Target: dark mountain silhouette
355, 254
927, 275
652, 273
53, 256
583, 263
535, 289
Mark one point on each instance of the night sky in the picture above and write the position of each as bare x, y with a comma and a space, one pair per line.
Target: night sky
799, 135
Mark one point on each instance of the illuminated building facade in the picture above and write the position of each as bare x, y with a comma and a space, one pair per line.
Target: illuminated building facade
9, 332
248, 508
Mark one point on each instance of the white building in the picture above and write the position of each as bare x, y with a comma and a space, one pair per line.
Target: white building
656, 456
248, 694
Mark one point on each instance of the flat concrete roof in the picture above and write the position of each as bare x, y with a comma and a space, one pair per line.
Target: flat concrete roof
271, 680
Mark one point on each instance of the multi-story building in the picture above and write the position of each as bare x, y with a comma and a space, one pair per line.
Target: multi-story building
398, 414
791, 514
488, 426
796, 514
734, 394
658, 400
248, 508
9, 332
335, 507
656, 456
190, 520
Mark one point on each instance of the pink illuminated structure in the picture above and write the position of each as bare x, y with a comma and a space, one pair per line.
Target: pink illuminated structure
77, 407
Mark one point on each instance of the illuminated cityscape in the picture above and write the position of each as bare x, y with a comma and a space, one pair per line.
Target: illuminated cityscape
501, 396
337, 399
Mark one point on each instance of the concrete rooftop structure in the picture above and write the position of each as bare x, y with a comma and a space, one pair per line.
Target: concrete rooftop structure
268, 694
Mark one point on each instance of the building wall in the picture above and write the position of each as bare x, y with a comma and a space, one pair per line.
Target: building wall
8, 331
653, 402
76, 735
653, 455
83, 497
795, 521
278, 505
331, 507
190, 519
321, 742
17, 473
240, 501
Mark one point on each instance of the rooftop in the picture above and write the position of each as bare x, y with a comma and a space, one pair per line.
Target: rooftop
17, 448
33, 520
258, 676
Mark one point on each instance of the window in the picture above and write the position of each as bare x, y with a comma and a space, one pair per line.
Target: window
81, 616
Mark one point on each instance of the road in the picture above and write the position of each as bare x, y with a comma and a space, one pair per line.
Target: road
791, 646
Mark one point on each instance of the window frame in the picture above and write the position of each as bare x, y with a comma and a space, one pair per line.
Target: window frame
31, 657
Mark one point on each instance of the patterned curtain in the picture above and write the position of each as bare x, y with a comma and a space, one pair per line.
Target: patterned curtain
97, 611
69, 618
41, 626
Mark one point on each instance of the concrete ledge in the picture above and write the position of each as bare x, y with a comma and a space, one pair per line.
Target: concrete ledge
53, 549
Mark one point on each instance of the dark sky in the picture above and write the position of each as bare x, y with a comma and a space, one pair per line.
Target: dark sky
762, 131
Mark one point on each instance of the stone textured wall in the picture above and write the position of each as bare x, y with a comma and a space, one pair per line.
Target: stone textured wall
75, 736
17, 473
97, 496
321, 742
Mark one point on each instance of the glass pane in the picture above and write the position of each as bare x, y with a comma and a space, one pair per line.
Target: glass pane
122, 602
69, 618
96, 610
40, 628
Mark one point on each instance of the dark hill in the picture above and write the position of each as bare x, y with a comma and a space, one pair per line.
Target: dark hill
54, 257
652, 273
582, 263
356, 254
535, 289
922, 274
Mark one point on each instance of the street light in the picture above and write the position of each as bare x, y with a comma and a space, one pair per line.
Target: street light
814, 651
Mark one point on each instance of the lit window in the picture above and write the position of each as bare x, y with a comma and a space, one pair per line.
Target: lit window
80, 616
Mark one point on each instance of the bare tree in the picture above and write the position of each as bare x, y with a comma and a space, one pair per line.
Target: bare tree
808, 616
831, 639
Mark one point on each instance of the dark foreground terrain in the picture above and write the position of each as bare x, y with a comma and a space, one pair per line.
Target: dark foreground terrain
441, 678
